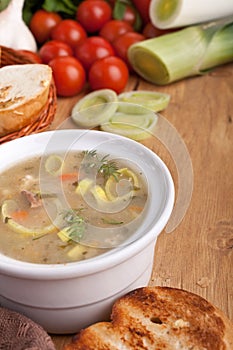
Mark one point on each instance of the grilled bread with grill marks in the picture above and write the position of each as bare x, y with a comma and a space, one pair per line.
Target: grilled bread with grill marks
159, 318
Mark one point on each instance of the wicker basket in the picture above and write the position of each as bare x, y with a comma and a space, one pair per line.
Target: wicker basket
9, 56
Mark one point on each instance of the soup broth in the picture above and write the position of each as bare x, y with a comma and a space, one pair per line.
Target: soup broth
54, 208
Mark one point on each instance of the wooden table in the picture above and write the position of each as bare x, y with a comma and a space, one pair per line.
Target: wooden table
198, 254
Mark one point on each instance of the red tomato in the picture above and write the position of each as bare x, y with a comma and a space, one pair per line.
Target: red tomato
41, 24
150, 31
123, 42
92, 49
69, 75
31, 56
130, 15
69, 31
143, 8
114, 28
54, 48
109, 73
93, 14
112, 2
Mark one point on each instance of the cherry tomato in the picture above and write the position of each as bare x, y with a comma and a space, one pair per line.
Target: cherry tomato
114, 28
129, 15
143, 8
123, 42
69, 75
69, 31
92, 49
41, 24
54, 48
112, 2
31, 56
109, 73
93, 14
150, 31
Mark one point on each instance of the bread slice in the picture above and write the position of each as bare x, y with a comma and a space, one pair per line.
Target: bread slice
159, 318
24, 91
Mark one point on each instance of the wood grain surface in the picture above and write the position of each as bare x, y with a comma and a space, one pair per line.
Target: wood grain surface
198, 254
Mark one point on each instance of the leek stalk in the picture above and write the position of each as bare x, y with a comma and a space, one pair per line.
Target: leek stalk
184, 53
166, 14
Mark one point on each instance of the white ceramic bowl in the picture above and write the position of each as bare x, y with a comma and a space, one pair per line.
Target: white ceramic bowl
65, 298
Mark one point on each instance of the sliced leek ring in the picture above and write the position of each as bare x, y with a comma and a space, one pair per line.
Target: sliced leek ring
94, 108
77, 252
99, 198
99, 194
133, 121
84, 186
10, 206
110, 206
111, 183
64, 234
131, 175
156, 101
53, 165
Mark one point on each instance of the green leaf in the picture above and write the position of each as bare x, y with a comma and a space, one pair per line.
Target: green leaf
64, 6
138, 23
119, 10
4, 4
30, 7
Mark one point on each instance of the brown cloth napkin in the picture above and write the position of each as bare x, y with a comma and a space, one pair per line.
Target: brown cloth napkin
18, 332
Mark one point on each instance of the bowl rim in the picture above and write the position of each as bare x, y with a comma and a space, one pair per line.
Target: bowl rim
104, 261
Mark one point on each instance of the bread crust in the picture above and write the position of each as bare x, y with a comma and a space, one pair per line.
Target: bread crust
21, 105
159, 318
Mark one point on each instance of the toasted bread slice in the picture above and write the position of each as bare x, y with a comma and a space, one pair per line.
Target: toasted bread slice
24, 91
159, 318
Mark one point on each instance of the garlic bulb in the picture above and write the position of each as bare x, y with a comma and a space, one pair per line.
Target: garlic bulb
14, 32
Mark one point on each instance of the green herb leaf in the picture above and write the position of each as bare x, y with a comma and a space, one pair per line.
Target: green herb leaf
112, 221
39, 236
103, 166
76, 224
108, 169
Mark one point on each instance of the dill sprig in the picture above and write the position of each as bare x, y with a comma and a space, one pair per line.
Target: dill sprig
108, 168
104, 166
75, 224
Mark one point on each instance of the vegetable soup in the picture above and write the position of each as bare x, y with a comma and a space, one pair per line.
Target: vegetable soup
60, 208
